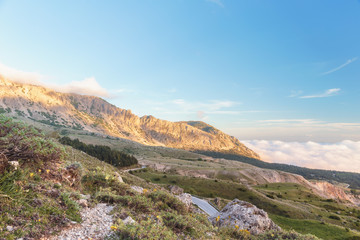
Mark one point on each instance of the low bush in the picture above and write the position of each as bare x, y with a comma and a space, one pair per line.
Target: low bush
148, 229
26, 145
164, 199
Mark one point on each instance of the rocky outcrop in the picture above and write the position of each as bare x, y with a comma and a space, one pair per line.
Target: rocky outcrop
176, 190
328, 190
186, 199
96, 115
243, 215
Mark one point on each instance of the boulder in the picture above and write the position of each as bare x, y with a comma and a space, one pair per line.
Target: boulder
176, 190
244, 215
137, 189
186, 199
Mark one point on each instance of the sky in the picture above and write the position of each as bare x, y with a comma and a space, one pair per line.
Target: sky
260, 70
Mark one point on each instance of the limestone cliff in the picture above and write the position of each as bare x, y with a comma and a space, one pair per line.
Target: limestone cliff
94, 114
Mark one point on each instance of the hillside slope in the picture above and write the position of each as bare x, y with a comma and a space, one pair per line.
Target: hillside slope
94, 114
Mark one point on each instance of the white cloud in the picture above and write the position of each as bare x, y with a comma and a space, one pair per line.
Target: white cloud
295, 93
341, 66
327, 93
209, 106
20, 76
88, 86
290, 121
217, 2
341, 156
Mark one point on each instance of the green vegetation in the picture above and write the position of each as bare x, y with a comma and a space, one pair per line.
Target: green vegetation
27, 197
288, 204
317, 174
37, 200
320, 229
27, 145
104, 153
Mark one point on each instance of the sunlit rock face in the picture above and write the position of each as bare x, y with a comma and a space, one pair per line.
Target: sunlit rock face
244, 216
94, 114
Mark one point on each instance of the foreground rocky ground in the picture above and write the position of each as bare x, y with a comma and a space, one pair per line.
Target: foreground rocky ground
96, 224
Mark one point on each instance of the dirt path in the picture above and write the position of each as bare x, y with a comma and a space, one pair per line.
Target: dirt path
96, 225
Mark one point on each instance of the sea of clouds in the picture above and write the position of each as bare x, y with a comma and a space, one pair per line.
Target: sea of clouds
341, 156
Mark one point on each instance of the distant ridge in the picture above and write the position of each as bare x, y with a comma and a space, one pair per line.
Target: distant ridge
96, 115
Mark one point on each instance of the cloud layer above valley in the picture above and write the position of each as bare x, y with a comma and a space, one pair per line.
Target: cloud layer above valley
88, 86
342, 156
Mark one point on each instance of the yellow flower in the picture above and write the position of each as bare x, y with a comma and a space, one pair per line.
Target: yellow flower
107, 178
113, 227
39, 220
31, 174
39, 170
237, 226
217, 218
158, 217
47, 170
155, 190
145, 190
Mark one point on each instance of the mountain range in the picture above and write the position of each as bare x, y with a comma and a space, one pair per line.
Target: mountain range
96, 115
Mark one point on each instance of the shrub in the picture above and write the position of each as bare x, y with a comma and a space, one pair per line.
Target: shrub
25, 144
73, 208
179, 223
334, 217
148, 229
164, 199
138, 203
289, 235
94, 181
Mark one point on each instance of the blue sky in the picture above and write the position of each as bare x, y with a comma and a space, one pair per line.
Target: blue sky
257, 69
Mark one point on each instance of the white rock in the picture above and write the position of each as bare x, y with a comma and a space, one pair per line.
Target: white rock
137, 189
15, 164
129, 220
9, 228
83, 203
245, 216
185, 198
119, 178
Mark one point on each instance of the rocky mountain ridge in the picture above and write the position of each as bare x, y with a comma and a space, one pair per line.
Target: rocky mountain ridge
96, 115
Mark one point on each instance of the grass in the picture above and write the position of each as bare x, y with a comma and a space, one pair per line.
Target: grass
297, 208
210, 188
317, 228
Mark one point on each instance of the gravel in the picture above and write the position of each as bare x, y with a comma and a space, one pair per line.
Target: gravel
96, 225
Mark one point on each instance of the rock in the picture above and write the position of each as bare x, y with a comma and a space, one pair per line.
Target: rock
15, 164
119, 178
176, 190
137, 189
217, 202
245, 216
87, 197
186, 199
83, 203
96, 224
53, 193
129, 220
10, 228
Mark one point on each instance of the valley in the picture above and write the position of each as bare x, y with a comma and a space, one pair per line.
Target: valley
193, 155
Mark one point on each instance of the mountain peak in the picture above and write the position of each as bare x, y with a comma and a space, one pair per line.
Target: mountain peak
94, 114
